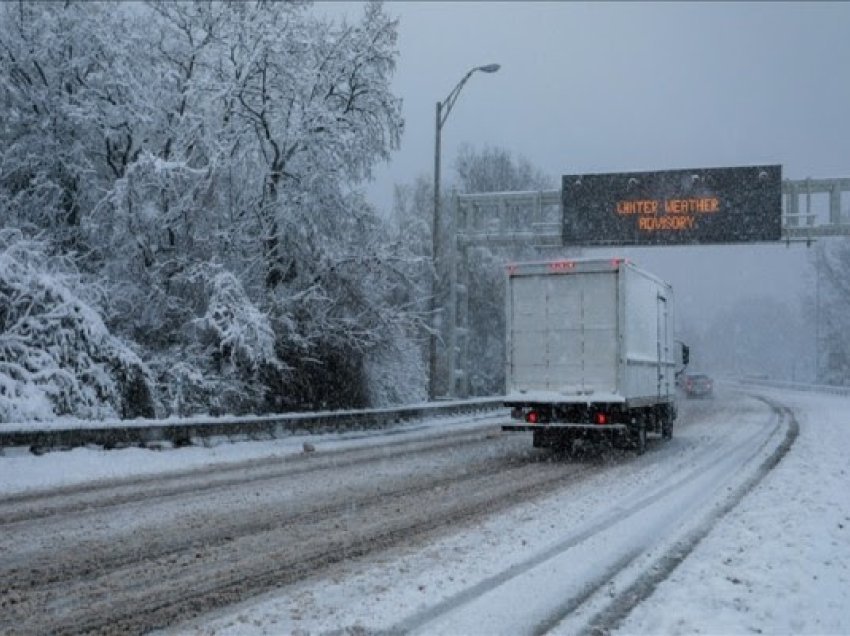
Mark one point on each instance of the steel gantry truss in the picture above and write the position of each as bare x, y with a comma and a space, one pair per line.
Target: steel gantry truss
811, 208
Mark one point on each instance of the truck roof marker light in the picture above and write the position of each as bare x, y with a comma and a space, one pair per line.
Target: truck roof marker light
616, 262
532, 417
561, 266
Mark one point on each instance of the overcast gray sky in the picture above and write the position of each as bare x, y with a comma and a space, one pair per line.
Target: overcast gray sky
610, 87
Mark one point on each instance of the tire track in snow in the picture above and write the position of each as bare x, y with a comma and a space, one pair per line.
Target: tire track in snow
36, 569
623, 603
716, 454
133, 583
87, 497
153, 593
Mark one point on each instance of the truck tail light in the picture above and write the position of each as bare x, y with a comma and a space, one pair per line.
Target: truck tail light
532, 417
601, 418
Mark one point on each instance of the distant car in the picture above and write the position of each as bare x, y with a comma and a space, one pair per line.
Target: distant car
697, 385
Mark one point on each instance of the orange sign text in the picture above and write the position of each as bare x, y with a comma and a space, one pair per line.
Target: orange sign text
675, 215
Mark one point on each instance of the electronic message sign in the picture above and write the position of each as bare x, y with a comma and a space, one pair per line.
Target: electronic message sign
673, 207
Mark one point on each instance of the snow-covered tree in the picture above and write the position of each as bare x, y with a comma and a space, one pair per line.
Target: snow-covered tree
357, 298
56, 355
411, 220
224, 354
494, 169
213, 137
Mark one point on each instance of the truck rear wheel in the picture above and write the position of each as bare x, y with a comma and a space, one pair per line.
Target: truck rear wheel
639, 439
565, 442
668, 416
539, 439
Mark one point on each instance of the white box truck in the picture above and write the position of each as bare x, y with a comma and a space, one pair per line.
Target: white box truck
590, 352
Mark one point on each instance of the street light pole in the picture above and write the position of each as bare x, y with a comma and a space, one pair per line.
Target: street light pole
443, 110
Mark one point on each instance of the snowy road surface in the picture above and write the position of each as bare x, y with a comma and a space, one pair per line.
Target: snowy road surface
470, 533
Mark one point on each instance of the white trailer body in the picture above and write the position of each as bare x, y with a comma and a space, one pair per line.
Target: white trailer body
590, 347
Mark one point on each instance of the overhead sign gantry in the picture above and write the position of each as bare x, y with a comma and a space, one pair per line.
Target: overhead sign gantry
753, 208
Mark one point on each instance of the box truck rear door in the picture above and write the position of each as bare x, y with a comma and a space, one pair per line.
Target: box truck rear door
564, 333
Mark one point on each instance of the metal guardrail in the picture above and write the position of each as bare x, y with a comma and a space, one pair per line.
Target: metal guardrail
796, 386
146, 433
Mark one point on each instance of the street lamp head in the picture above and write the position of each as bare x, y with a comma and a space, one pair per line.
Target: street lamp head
490, 68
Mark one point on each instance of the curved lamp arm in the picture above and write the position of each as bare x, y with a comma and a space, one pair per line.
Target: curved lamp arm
449, 102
